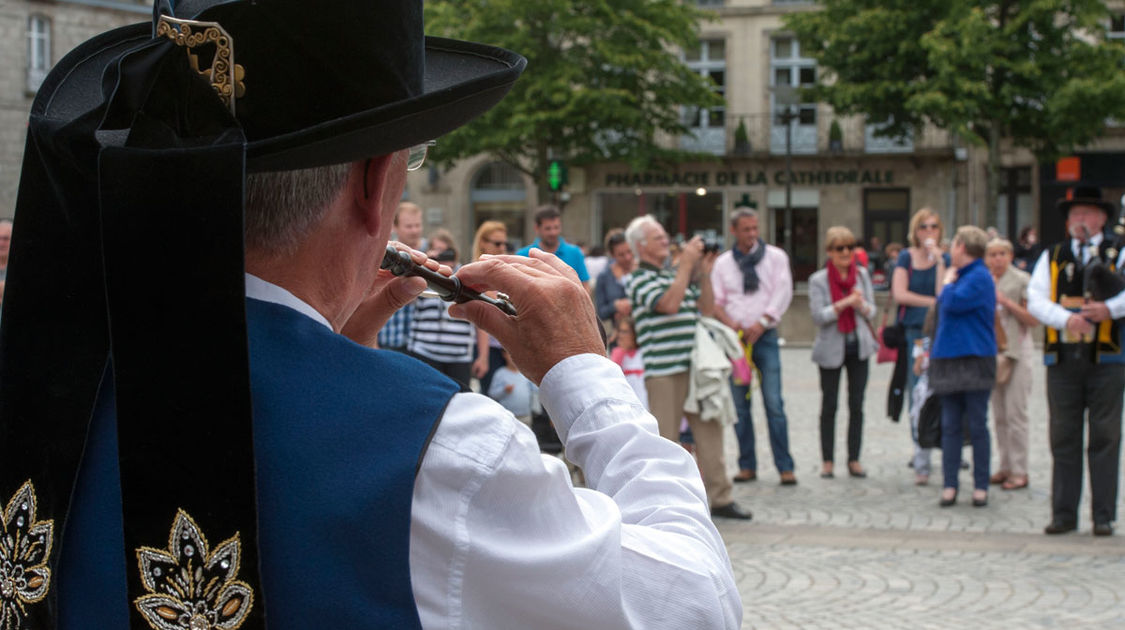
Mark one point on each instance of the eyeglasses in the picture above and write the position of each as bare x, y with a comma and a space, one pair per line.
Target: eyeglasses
843, 248
417, 155
928, 226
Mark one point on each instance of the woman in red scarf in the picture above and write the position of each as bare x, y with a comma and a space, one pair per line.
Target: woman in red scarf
842, 304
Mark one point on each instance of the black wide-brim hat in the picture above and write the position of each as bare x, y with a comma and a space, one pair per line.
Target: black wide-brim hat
325, 82
126, 270
1086, 196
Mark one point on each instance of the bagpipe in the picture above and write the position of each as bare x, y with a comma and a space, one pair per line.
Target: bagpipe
1101, 279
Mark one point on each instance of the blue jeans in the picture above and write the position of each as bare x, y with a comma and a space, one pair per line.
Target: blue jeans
972, 409
768, 361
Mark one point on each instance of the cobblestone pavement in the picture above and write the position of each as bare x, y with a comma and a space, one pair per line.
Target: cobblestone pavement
880, 553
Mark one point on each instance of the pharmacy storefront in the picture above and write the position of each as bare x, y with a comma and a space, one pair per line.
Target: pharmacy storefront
874, 198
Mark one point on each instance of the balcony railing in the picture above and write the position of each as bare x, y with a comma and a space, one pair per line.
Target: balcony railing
766, 137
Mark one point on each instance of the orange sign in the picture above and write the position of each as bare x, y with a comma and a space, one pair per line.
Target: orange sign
1068, 169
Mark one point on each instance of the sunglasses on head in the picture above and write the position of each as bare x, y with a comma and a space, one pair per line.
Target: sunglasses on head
844, 248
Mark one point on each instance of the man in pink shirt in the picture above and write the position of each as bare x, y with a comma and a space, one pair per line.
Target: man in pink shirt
753, 287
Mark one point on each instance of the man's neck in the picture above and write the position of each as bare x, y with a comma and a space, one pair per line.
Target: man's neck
315, 276
550, 250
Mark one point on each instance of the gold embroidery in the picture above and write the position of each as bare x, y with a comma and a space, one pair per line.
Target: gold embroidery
224, 74
190, 587
25, 545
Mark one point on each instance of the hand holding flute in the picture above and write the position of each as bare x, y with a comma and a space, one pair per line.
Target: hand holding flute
448, 288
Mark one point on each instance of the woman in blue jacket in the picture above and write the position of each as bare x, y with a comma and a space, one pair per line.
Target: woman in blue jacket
963, 361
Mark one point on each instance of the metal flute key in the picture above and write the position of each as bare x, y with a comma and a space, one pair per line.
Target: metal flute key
448, 288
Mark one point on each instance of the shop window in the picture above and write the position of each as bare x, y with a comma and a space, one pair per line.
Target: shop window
803, 258
683, 214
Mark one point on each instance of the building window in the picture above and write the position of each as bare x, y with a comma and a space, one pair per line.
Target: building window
707, 125
1014, 205
499, 193
788, 69
1116, 26
38, 50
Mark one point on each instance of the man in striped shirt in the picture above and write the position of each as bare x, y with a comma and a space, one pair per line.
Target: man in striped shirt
667, 304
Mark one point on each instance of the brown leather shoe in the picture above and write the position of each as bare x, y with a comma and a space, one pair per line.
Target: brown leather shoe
1015, 482
788, 478
1000, 477
745, 475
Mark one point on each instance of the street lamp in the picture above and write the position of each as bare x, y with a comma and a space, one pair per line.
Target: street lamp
785, 101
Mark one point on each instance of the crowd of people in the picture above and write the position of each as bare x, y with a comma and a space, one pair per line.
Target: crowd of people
957, 324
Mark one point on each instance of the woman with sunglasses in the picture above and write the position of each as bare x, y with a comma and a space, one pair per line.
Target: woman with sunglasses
842, 302
492, 239
915, 285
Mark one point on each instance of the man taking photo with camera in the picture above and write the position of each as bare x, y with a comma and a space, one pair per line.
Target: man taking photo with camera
667, 304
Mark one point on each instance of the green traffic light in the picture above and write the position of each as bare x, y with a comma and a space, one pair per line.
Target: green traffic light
555, 175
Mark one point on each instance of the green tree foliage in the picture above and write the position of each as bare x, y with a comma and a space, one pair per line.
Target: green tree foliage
604, 80
1039, 72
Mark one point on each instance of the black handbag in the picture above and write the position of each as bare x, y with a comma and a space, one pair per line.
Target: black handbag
894, 336
929, 423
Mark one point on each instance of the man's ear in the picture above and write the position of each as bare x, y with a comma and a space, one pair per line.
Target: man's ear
367, 181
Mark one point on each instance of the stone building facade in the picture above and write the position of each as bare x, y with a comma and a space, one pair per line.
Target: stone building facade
34, 35
839, 172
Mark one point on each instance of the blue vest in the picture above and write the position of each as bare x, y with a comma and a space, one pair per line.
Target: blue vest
338, 444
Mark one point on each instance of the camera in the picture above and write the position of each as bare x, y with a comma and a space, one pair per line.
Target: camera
712, 246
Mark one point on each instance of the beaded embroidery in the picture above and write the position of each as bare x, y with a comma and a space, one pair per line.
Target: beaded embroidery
25, 546
190, 587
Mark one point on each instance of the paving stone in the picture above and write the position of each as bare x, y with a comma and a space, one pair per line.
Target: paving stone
880, 553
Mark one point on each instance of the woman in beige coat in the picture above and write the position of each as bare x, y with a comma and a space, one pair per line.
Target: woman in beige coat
842, 304
1012, 393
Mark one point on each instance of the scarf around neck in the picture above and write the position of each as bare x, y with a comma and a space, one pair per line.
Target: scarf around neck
747, 263
840, 287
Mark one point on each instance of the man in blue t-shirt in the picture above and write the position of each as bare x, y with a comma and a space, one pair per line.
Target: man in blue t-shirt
548, 225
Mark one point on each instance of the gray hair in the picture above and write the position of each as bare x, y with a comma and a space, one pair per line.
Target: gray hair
742, 212
999, 243
283, 206
635, 232
973, 238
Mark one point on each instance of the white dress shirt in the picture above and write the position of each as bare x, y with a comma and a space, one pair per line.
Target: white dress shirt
501, 539
1051, 313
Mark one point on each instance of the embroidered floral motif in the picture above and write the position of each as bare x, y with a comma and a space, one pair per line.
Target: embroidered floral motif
25, 545
190, 587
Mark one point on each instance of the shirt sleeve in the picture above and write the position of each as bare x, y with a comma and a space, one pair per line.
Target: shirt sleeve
718, 289
580, 266
820, 302
969, 293
1039, 302
782, 279
645, 290
903, 259
1116, 304
635, 550
602, 301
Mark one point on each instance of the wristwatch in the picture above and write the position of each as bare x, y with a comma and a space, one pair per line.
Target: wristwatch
764, 321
